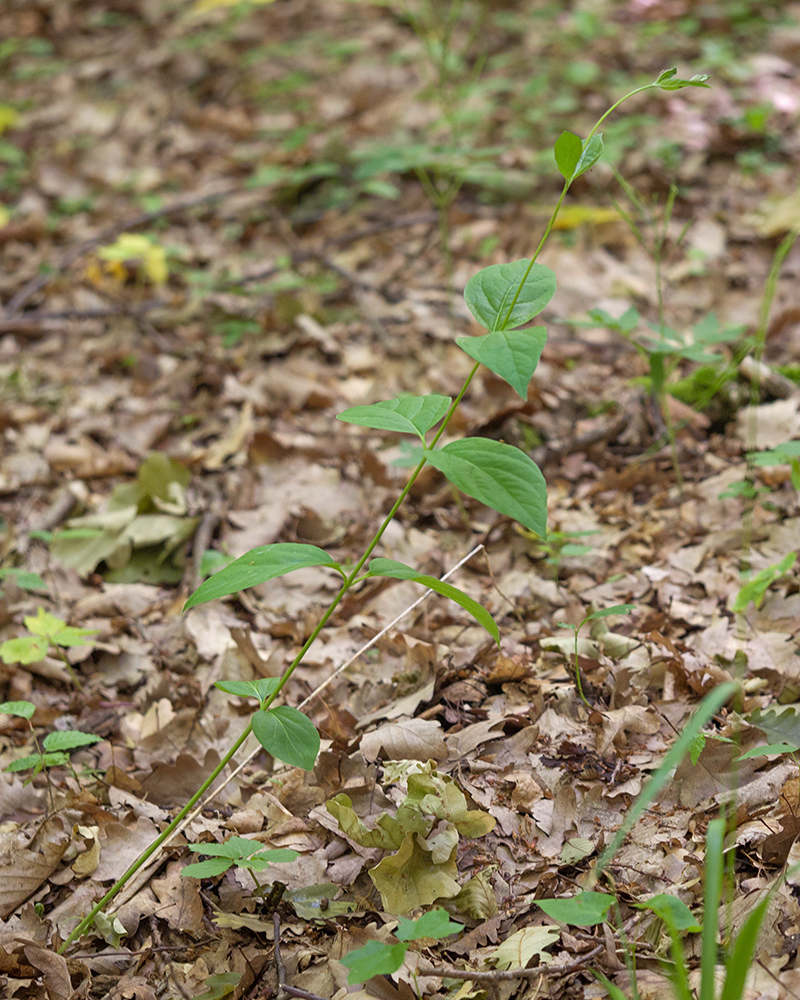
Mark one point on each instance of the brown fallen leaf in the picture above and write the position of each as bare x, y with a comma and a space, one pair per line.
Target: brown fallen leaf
23, 870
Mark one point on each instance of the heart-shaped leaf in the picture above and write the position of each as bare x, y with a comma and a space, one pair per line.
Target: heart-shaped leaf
490, 293
584, 910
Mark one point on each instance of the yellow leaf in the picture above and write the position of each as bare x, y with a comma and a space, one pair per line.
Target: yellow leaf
201, 6
8, 117
410, 879
516, 951
574, 216
140, 248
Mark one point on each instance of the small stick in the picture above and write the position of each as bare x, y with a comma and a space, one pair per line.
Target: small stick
291, 991
505, 975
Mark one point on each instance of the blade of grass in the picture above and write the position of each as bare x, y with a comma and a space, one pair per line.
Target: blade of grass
707, 708
713, 893
741, 958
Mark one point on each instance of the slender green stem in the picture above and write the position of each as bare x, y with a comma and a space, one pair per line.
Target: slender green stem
88, 920
578, 683
563, 195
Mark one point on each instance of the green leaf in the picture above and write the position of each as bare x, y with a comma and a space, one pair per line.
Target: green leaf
435, 924
673, 911
375, 959
207, 869
261, 688
511, 354
499, 475
584, 910
24, 579
669, 81
490, 292
696, 747
44, 624
23, 763
24, 709
406, 415
288, 735
568, 149
219, 986
234, 848
257, 566
766, 751
618, 609
39, 761
591, 153
69, 739
399, 571
755, 589
25, 649
780, 455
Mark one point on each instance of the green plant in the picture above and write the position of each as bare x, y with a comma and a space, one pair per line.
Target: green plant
377, 958
589, 907
679, 921
557, 546
423, 833
56, 746
617, 609
236, 852
756, 587
137, 248
46, 633
142, 532
24, 579
502, 298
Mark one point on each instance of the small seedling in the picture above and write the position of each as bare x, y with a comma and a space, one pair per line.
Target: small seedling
136, 249
55, 748
377, 958
236, 852
557, 546
24, 579
617, 609
755, 588
46, 633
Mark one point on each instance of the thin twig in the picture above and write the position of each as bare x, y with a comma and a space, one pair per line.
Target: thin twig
506, 975
276, 940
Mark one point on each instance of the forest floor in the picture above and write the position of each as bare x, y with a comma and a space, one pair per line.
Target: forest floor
222, 225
